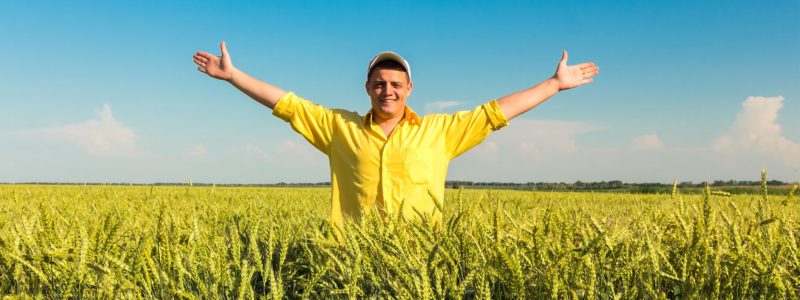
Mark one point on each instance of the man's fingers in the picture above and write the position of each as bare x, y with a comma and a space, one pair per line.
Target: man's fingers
205, 54
200, 62
202, 70
207, 57
586, 65
590, 72
200, 58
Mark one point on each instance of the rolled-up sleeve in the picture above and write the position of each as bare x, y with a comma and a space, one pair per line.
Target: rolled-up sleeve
466, 129
314, 122
285, 106
497, 119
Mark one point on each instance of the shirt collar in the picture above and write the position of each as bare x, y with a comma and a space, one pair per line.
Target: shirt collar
408, 116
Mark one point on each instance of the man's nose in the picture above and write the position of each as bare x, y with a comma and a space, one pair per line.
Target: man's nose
389, 89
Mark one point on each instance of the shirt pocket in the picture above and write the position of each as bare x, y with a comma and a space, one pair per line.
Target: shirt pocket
419, 165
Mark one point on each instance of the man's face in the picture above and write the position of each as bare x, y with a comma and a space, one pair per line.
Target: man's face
388, 90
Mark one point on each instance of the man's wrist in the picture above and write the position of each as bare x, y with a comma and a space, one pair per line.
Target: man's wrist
553, 85
235, 73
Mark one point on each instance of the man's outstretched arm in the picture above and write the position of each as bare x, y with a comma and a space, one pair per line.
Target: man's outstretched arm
566, 77
221, 67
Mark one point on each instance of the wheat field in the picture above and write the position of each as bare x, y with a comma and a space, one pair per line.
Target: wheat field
244, 242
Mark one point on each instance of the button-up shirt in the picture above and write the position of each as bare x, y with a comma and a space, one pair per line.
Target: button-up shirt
403, 173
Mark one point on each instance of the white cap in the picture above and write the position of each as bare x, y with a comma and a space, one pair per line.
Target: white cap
389, 55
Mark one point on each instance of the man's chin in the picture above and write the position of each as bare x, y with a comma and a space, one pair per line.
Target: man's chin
388, 109
384, 113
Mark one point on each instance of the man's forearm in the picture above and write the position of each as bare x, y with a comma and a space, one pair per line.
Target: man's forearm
264, 93
520, 102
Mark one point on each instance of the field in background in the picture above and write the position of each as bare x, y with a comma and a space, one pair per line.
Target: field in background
214, 242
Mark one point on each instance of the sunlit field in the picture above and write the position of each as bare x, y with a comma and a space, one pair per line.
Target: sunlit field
225, 242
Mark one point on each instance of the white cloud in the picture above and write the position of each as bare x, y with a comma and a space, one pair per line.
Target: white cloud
197, 151
756, 131
542, 136
287, 160
646, 142
281, 152
523, 148
103, 137
252, 152
440, 106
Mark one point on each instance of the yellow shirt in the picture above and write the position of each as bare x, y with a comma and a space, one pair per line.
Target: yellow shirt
404, 173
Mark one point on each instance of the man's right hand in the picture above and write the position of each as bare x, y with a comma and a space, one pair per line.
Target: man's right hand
219, 67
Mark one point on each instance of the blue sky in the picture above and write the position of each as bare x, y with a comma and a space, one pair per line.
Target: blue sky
689, 90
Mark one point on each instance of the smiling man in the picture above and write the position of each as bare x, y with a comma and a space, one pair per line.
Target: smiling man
390, 160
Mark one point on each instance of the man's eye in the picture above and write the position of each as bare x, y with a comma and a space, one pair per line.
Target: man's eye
397, 85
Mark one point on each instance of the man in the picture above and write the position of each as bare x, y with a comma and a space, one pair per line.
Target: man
390, 160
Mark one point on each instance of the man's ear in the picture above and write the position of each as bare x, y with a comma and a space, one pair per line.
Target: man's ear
410, 87
366, 87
